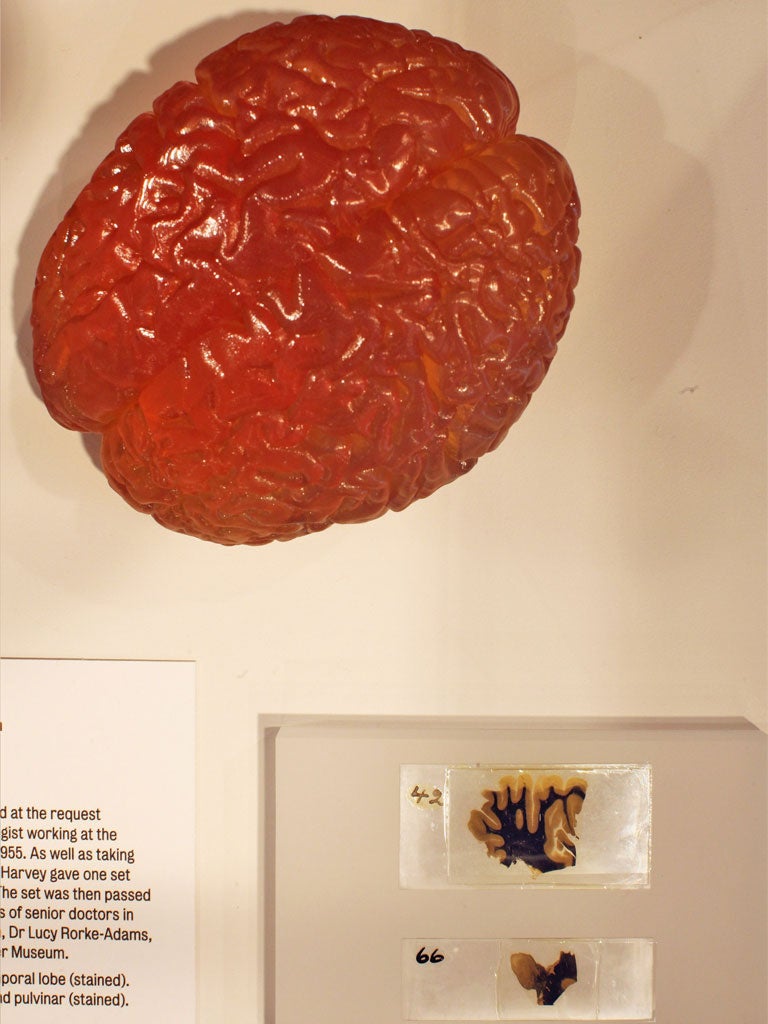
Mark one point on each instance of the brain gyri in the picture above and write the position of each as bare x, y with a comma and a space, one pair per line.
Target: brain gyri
315, 284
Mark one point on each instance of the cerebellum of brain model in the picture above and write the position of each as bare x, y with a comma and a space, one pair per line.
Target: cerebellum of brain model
315, 284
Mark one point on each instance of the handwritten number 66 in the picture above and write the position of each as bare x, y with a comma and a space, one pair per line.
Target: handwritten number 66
435, 957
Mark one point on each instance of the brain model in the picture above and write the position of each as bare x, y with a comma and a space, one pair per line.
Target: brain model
315, 284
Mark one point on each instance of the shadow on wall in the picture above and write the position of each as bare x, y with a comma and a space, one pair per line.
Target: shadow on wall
580, 465
650, 226
176, 61
648, 230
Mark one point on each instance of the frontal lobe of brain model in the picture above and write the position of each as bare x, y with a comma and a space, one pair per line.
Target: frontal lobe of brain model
315, 284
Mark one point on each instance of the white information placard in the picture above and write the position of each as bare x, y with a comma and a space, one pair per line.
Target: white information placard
97, 829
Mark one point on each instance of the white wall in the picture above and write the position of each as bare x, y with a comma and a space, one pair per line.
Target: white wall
608, 559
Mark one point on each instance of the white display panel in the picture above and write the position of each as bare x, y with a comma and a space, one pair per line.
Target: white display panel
334, 875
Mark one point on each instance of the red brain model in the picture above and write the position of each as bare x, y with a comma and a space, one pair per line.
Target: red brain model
316, 284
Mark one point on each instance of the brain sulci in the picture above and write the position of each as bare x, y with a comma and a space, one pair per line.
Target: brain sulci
317, 283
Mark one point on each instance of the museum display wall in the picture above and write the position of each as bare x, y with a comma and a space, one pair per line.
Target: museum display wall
590, 597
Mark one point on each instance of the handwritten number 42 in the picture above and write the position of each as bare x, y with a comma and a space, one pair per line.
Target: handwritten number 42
420, 794
435, 957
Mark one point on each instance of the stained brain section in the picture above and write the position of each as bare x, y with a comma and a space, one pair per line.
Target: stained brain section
530, 821
315, 284
549, 982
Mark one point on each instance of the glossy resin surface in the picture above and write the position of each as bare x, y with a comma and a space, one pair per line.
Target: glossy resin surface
315, 284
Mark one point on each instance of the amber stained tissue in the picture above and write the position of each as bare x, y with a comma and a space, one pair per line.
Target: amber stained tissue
549, 983
318, 282
531, 821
